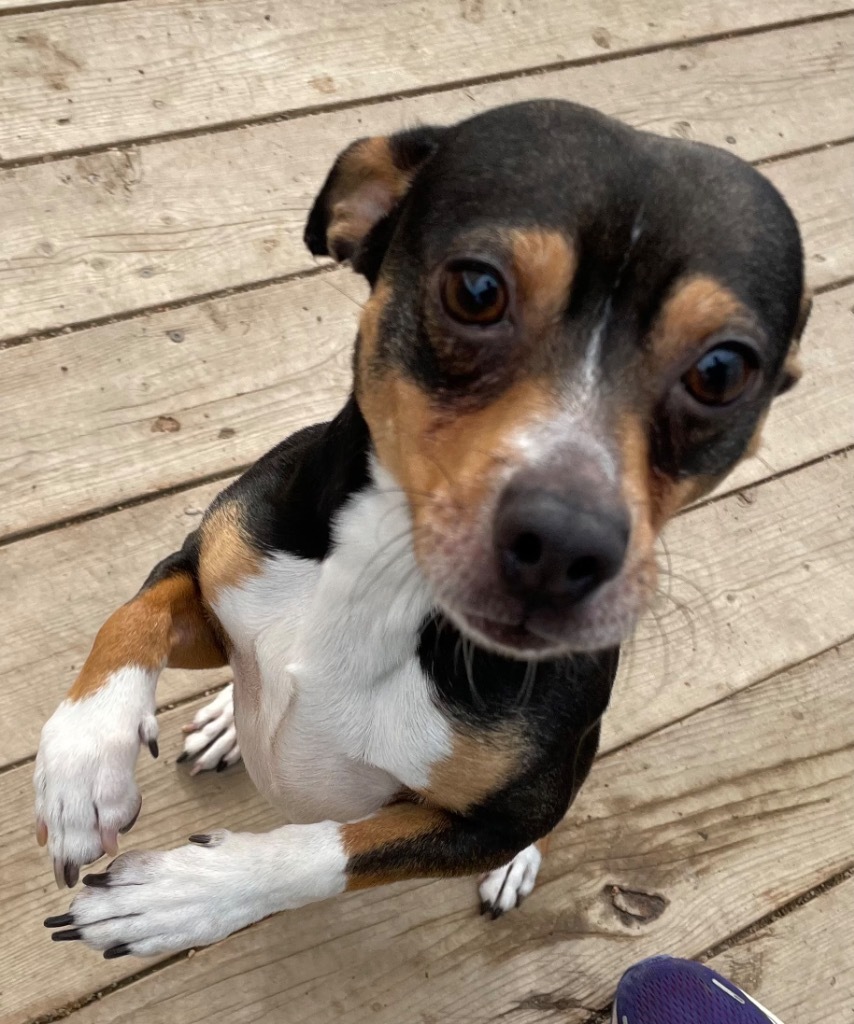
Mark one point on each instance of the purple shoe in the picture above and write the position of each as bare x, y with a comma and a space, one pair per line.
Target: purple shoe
664, 990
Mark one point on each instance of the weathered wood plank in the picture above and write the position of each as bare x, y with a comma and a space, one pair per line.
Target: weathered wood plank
98, 235
248, 369
800, 966
174, 65
720, 818
750, 585
136, 411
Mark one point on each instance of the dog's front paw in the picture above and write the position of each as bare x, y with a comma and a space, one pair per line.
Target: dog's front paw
86, 793
150, 903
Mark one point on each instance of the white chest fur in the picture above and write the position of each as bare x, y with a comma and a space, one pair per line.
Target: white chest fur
333, 711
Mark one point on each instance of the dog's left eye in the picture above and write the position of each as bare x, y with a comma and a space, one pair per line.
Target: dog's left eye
722, 375
474, 293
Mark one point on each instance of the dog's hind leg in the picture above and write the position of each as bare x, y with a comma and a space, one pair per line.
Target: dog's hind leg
504, 888
211, 738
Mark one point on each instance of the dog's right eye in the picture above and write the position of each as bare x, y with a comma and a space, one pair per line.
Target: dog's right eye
474, 293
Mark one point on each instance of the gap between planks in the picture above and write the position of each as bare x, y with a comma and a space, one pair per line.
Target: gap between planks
309, 110
140, 312
228, 472
151, 229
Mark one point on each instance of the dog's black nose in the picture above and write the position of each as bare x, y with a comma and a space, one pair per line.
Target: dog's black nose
554, 552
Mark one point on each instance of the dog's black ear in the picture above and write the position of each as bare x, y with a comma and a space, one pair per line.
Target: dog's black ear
792, 370
366, 182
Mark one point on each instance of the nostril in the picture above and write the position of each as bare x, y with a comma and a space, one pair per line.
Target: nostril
527, 549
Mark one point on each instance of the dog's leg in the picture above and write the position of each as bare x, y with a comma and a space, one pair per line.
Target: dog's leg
86, 793
151, 903
210, 740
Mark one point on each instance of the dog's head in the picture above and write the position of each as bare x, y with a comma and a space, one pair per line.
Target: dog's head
574, 329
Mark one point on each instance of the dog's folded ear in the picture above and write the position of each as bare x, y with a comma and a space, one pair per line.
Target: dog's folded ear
792, 370
367, 181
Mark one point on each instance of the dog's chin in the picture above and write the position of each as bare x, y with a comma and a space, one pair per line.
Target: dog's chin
514, 640
527, 643
547, 636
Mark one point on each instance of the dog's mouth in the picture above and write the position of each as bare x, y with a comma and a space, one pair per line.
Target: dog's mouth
596, 624
514, 638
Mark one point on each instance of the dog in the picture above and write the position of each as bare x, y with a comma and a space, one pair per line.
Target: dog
574, 329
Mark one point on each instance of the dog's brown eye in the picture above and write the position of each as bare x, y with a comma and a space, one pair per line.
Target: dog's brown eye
474, 293
722, 374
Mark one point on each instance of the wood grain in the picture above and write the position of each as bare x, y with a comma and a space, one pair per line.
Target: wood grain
717, 819
745, 591
141, 69
99, 235
171, 397
799, 967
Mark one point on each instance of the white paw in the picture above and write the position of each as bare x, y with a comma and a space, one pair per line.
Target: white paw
86, 793
505, 888
162, 902
150, 903
211, 740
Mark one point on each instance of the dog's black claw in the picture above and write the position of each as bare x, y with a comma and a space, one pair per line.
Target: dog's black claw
71, 872
484, 907
97, 881
223, 764
67, 936
60, 921
182, 757
114, 952
496, 912
200, 840
154, 747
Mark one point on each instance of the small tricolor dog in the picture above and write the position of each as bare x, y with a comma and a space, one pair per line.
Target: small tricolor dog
574, 329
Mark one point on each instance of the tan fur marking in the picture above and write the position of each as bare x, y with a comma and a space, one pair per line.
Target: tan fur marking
391, 825
446, 462
479, 765
653, 497
163, 625
697, 309
368, 184
227, 558
369, 327
792, 368
803, 315
755, 442
544, 263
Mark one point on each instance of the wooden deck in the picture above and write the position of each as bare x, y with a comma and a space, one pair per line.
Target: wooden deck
161, 325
